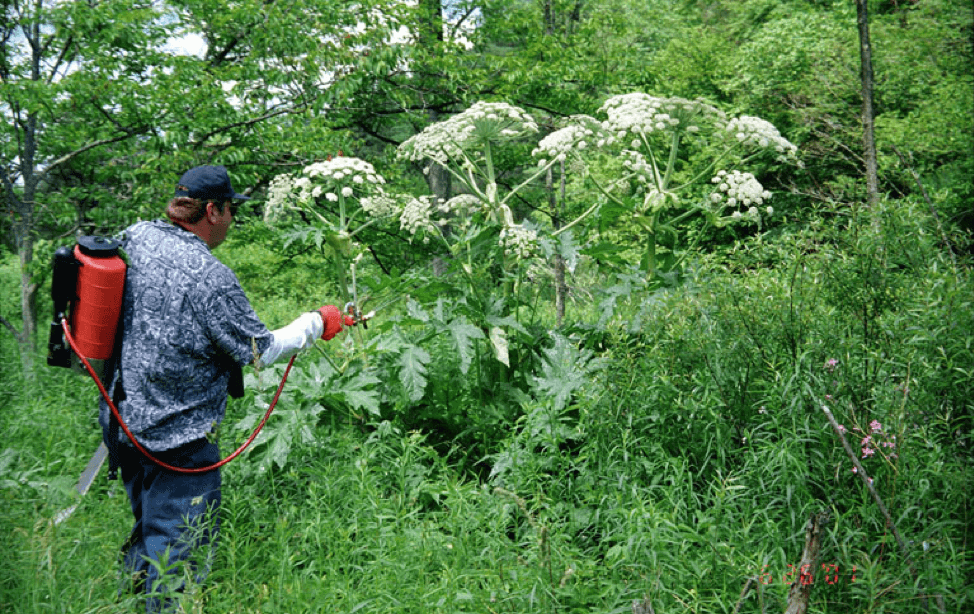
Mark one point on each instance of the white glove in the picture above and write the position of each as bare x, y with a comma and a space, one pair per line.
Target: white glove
296, 336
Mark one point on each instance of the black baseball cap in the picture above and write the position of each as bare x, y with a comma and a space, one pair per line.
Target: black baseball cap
207, 183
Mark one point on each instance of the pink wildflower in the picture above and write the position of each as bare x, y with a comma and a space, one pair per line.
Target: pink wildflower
876, 426
843, 429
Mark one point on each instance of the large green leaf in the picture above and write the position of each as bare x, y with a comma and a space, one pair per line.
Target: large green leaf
498, 340
464, 333
564, 371
412, 372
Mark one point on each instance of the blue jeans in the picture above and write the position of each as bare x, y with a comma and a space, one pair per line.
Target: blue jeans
176, 519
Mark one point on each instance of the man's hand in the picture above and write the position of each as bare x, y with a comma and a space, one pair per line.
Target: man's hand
334, 321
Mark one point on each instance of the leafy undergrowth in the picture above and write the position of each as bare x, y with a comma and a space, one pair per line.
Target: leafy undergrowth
671, 447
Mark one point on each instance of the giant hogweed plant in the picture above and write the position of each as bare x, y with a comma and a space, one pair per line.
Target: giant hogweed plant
679, 158
483, 236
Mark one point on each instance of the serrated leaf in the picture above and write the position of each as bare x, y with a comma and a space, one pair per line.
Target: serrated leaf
391, 342
412, 373
367, 400
464, 334
564, 370
568, 250
416, 311
277, 442
358, 393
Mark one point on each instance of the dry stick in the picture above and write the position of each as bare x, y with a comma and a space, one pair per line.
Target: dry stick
801, 589
861, 472
752, 581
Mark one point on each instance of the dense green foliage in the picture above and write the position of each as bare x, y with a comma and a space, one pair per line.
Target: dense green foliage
471, 451
672, 452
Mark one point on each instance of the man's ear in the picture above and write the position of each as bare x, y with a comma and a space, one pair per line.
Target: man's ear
212, 212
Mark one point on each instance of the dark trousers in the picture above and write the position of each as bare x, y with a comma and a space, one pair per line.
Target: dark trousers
176, 519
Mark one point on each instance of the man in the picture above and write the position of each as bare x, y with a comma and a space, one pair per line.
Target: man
187, 329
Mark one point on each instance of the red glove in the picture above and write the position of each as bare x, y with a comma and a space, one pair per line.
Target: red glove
333, 320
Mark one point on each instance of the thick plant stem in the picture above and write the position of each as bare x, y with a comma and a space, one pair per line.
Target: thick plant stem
651, 249
342, 279
674, 148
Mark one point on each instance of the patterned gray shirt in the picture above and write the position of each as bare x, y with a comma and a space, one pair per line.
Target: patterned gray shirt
185, 322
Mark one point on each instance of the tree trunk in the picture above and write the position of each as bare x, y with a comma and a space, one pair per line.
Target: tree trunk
801, 588
431, 40
28, 304
558, 262
868, 132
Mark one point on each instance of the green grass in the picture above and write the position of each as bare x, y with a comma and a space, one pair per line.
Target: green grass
687, 461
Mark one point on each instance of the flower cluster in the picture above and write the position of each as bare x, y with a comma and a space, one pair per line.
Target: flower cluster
464, 205
282, 193
756, 132
446, 141
379, 206
519, 241
643, 171
735, 189
416, 216
875, 439
333, 179
641, 114
582, 133
339, 168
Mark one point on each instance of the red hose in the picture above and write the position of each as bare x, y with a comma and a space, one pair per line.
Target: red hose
217, 465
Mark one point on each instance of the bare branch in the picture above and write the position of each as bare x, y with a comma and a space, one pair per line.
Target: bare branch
77, 152
13, 330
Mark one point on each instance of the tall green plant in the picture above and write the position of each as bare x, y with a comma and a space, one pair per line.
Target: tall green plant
673, 158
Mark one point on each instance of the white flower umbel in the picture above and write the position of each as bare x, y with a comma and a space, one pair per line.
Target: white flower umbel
582, 133
335, 180
282, 194
338, 197
639, 114
344, 175
416, 217
380, 205
737, 189
757, 133
518, 241
464, 203
447, 141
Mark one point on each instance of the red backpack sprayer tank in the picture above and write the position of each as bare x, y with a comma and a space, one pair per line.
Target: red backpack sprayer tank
90, 280
87, 289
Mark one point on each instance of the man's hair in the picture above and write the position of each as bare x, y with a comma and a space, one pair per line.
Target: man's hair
189, 210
